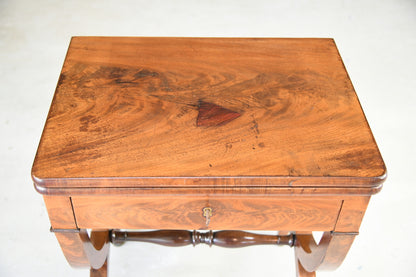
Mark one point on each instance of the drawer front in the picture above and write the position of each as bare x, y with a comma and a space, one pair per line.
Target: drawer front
129, 212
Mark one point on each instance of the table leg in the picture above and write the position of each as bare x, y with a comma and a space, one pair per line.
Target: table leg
301, 272
80, 249
327, 255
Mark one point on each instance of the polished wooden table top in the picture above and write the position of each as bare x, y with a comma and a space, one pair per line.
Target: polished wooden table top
226, 134
205, 113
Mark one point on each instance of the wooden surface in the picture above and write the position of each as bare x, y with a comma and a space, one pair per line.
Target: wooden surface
177, 238
204, 133
301, 272
351, 214
205, 113
231, 213
79, 248
328, 254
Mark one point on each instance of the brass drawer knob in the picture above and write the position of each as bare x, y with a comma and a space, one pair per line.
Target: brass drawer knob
207, 213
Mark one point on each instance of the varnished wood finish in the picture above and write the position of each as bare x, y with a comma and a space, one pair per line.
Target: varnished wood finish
61, 216
79, 249
60, 212
267, 134
125, 115
231, 213
233, 239
351, 214
228, 239
210, 115
73, 248
327, 255
301, 272
96, 247
228, 191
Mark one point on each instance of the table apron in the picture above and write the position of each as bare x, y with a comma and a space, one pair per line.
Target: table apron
239, 213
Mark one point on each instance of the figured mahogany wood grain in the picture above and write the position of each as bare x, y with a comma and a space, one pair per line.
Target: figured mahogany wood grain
217, 191
60, 212
187, 213
125, 115
61, 216
327, 255
351, 214
79, 249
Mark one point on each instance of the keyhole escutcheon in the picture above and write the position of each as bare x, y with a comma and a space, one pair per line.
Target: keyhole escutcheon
207, 213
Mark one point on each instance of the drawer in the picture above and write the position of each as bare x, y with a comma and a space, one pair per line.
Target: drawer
240, 213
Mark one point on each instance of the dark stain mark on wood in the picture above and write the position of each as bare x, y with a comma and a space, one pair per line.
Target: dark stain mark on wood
145, 73
261, 144
255, 127
62, 78
86, 121
183, 111
119, 81
210, 114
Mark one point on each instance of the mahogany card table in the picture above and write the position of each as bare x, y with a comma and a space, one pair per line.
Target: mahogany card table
206, 140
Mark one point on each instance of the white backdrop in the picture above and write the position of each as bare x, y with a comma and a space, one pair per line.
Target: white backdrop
377, 40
